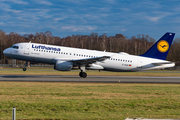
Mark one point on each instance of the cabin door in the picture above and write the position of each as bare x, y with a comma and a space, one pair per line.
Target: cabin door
26, 50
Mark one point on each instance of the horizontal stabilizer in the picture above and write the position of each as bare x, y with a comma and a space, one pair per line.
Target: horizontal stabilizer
162, 63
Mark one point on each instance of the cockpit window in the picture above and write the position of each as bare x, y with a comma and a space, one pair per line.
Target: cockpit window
15, 47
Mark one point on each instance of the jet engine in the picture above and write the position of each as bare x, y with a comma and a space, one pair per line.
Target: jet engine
63, 66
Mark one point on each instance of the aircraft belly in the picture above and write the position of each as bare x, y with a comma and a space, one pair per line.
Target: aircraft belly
31, 58
118, 66
41, 60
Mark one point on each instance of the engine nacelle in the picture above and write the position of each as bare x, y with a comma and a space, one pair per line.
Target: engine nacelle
63, 66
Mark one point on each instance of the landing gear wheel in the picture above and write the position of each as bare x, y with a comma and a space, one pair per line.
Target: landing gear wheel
83, 74
24, 69
80, 74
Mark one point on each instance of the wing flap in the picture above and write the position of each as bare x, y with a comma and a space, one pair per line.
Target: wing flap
87, 61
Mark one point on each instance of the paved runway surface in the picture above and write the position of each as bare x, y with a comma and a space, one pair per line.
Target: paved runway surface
102, 79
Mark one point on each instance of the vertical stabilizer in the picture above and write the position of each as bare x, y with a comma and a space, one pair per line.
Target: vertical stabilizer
161, 48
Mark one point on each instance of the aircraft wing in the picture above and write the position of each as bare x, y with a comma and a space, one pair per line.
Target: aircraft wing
87, 61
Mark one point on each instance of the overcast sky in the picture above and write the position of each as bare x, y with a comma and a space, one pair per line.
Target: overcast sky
72, 17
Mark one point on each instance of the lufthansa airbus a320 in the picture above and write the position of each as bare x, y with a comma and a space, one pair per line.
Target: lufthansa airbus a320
65, 58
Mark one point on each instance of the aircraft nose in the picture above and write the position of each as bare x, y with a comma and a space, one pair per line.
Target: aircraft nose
6, 51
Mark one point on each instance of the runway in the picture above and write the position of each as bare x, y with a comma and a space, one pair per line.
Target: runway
89, 79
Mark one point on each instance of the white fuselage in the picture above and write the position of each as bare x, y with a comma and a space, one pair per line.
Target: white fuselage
43, 53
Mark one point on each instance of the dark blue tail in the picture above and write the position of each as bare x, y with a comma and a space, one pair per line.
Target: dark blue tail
161, 48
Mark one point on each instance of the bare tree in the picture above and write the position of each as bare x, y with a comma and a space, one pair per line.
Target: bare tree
119, 43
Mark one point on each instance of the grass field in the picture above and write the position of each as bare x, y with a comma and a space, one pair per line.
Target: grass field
51, 71
86, 101
48, 100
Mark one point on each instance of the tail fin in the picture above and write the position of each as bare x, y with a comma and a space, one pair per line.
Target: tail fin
161, 48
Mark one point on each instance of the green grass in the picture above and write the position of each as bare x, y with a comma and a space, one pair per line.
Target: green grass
50, 71
48, 100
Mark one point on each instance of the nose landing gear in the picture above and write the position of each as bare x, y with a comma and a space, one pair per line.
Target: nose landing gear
24, 69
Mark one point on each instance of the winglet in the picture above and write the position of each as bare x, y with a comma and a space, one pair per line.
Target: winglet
161, 48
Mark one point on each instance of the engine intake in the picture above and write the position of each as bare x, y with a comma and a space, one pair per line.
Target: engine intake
63, 66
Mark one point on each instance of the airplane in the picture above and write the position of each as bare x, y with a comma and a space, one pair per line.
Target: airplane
65, 58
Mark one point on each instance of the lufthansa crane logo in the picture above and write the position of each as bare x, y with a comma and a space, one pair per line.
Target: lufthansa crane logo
163, 46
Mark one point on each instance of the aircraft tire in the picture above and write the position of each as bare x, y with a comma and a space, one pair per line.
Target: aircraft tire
83, 74
80, 74
24, 69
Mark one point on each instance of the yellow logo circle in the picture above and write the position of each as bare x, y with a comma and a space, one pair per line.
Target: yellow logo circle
163, 46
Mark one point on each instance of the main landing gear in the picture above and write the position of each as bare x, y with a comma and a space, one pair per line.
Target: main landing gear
83, 74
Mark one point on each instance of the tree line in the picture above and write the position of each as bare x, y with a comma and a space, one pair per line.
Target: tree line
135, 45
